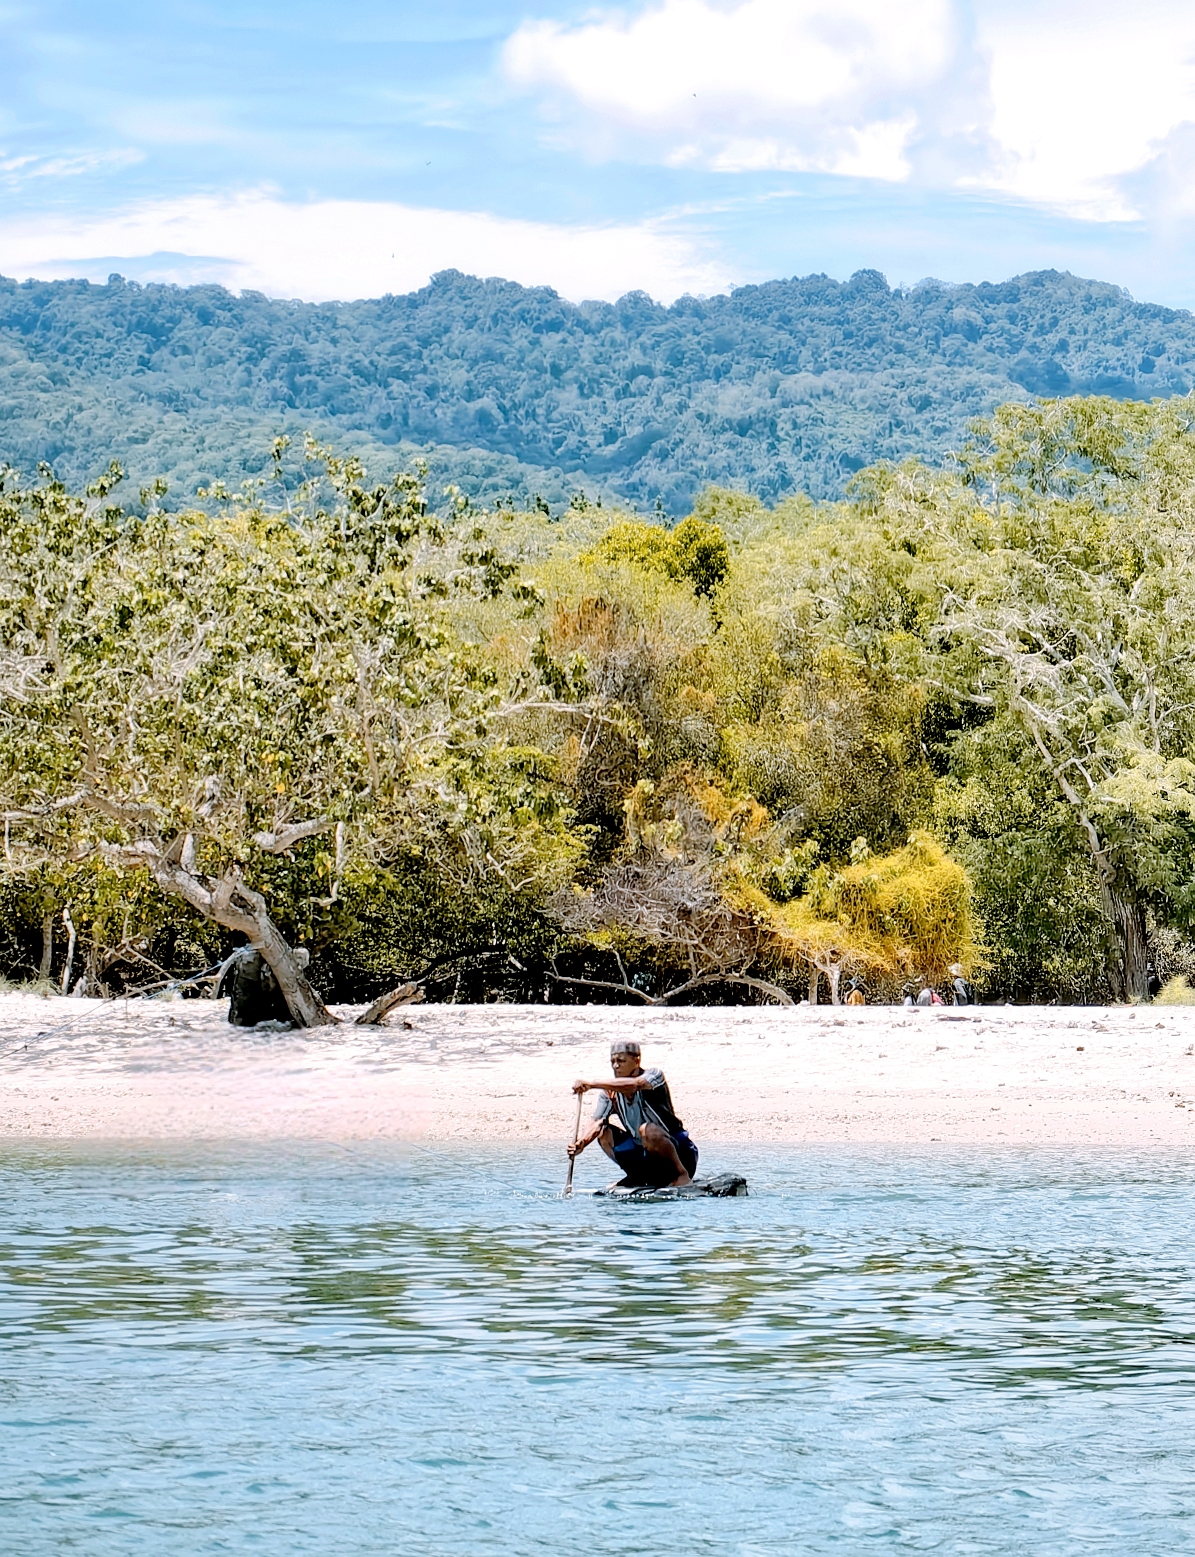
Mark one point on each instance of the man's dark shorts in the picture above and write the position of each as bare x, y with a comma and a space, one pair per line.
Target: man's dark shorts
639, 1166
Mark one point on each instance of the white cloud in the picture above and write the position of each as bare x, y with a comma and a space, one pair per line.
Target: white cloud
1083, 97
337, 249
799, 84
1065, 103
877, 150
16, 170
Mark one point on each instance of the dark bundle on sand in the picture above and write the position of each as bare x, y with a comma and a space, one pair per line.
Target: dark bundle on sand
254, 995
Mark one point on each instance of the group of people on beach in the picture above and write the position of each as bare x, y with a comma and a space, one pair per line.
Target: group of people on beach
922, 993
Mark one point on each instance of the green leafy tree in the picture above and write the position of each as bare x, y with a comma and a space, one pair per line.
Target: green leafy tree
1050, 580
671, 896
1003, 817
202, 698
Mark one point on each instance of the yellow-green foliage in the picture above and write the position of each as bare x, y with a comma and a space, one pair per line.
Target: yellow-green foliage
737, 514
840, 739
904, 913
694, 550
689, 815
1175, 992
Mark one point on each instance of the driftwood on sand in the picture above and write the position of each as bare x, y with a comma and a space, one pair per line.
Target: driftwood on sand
404, 995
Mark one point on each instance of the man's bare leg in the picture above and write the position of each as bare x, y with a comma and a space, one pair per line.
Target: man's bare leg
605, 1140
657, 1140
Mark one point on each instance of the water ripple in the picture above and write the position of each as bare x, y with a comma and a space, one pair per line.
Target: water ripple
315, 1350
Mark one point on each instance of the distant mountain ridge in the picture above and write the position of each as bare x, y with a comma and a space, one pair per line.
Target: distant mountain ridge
791, 385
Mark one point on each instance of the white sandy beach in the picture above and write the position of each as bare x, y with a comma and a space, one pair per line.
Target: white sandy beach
157, 1070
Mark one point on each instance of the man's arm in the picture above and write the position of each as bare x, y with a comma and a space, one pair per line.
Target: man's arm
576, 1147
617, 1086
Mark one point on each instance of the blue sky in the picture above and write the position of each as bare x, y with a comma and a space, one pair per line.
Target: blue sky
327, 151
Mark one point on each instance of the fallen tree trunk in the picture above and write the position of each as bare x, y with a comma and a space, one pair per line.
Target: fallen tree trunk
404, 995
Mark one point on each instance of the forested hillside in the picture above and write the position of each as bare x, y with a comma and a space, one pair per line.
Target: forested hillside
790, 386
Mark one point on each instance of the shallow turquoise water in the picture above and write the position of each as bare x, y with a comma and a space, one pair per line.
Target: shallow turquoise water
333, 1351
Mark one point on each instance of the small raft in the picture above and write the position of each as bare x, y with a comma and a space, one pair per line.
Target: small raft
721, 1185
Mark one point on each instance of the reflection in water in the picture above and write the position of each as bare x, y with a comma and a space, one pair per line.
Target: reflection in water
327, 1349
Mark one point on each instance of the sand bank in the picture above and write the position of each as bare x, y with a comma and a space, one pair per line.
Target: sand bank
74, 1070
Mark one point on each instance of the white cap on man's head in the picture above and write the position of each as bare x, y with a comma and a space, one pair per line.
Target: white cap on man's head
624, 1046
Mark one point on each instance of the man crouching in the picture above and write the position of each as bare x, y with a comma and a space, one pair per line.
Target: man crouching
647, 1141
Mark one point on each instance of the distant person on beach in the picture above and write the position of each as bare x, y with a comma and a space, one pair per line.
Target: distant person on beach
964, 995
636, 1125
856, 997
928, 996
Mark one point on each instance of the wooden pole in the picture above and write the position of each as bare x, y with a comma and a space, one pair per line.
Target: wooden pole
572, 1162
